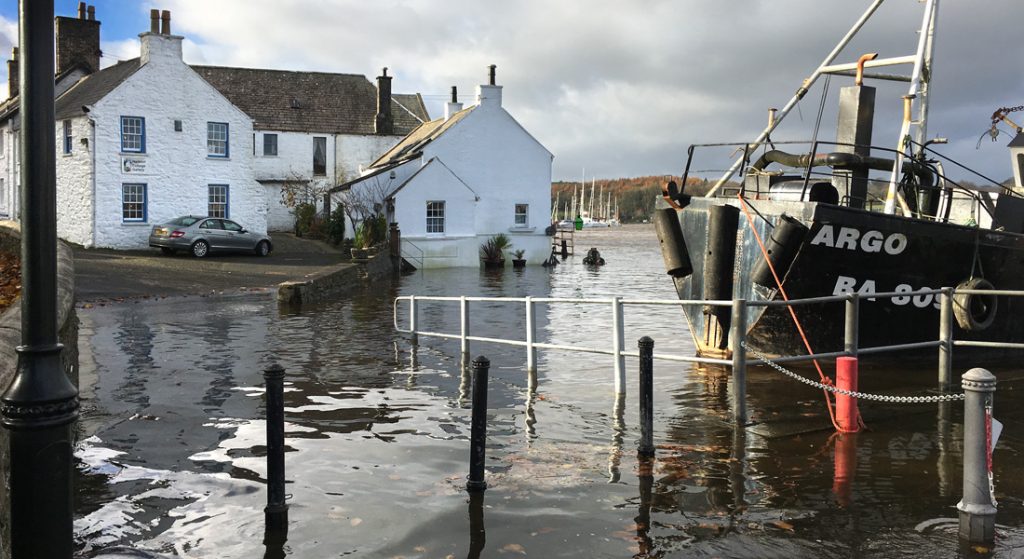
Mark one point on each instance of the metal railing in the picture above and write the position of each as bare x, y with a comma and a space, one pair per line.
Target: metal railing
737, 335
410, 256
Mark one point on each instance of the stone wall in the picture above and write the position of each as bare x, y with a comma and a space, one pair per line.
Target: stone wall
334, 282
10, 337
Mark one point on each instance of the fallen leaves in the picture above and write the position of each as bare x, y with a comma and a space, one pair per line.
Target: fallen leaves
10, 279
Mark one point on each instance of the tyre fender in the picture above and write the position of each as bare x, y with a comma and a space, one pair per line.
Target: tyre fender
975, 312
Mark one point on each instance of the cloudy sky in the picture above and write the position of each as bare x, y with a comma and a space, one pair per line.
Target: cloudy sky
620, 88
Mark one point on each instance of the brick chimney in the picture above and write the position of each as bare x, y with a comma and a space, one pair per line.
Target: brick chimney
384, 124
158, 45
489, 95
452, 106
78, 40
12, 73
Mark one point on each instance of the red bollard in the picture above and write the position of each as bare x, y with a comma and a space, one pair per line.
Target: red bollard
847, 415
845, 468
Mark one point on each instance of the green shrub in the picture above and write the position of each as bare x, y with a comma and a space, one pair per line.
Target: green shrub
493, 249
336, 227
305, 217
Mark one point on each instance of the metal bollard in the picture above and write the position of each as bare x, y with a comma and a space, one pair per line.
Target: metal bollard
847, 414
618, 342
646, 448
478, 427
565, 249
977, 507
946, 339
739, 361
276, 511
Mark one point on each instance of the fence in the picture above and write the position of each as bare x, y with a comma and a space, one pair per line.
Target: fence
737, 338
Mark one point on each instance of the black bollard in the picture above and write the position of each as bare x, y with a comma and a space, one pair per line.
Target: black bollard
646, 447
276, 511
478, 429
565, 249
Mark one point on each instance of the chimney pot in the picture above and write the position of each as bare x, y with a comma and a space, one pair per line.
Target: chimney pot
81, 10
384, 72
455, 94
491, 69
165, 22
154, 21
92, 13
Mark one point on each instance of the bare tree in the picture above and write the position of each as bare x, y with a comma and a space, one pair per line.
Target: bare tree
364, 199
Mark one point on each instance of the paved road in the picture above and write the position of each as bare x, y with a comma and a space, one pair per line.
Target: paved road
102, 274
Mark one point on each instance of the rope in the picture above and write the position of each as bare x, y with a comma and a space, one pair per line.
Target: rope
864, 395
792, 313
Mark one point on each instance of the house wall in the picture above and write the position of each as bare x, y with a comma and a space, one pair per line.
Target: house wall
175, 166
505, 166
457, 246
75, 201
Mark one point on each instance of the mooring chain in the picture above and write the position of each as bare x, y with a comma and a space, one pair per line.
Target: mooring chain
850, 393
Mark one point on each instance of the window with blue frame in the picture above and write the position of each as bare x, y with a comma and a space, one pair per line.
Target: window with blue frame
67, 136
217, 139
133, 202
217, 204
133, 134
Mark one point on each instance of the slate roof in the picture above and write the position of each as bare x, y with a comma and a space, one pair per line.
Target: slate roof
329, 103
310, 101
412, 145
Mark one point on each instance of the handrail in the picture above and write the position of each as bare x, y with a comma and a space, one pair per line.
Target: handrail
413, 257
945, 341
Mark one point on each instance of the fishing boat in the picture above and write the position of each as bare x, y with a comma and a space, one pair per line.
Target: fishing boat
822, 218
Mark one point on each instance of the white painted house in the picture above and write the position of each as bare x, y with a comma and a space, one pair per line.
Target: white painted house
153, 138
313, 130
454, 182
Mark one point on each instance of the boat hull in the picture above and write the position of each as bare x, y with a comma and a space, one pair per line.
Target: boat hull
844, 250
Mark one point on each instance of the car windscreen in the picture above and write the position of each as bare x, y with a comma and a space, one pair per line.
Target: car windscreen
184, 221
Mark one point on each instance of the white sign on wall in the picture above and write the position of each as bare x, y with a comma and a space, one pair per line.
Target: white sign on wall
133, 165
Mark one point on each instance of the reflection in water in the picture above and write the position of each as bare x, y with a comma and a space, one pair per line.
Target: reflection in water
477, 535
377, 437
618, 434
845, 467
274, 541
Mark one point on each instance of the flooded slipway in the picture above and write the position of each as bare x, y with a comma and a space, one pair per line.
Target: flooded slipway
172, 457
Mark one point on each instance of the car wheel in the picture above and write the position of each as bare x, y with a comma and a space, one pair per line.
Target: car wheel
262, 248
167, 251
200, 248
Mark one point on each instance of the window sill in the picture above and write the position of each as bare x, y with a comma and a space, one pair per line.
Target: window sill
135, 223
218, 157
133, 152
521, 229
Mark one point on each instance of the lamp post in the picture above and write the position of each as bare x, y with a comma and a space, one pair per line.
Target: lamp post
41, 404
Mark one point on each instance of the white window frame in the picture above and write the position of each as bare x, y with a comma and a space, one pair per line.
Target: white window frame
133, 193
435, 217
218, 198
522, 219
216, 145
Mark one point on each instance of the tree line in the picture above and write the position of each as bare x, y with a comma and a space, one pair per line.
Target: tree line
635, 197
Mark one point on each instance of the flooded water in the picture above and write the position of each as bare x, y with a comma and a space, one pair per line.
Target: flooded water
173, 451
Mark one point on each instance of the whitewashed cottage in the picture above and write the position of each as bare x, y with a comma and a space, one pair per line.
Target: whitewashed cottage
456, 181
153, 138
313, 130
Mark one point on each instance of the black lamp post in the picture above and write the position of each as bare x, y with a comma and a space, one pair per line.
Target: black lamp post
41, 404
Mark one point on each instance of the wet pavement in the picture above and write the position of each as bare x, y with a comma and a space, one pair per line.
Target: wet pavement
173, 452
102, 274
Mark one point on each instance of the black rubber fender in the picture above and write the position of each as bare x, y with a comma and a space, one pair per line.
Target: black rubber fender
975, 312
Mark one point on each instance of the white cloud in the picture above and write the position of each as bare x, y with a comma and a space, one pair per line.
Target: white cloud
623, 87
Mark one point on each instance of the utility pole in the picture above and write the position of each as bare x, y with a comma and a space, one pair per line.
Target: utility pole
41, 404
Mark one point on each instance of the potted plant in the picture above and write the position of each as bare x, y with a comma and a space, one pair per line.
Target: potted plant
358, 249
492, 251
517, 258
370, 233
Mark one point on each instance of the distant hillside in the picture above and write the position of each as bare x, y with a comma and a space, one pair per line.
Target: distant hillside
634, 196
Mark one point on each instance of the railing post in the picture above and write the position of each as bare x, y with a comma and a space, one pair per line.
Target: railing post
413, 323
531, 331
464, 329
618, 341
478, 426
646, 448
978, 507
851, 334
946, 339
276, 511
739, 360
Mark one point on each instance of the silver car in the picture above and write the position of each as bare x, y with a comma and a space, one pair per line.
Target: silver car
201, 235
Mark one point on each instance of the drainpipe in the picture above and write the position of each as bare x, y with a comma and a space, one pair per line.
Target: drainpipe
92, 178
